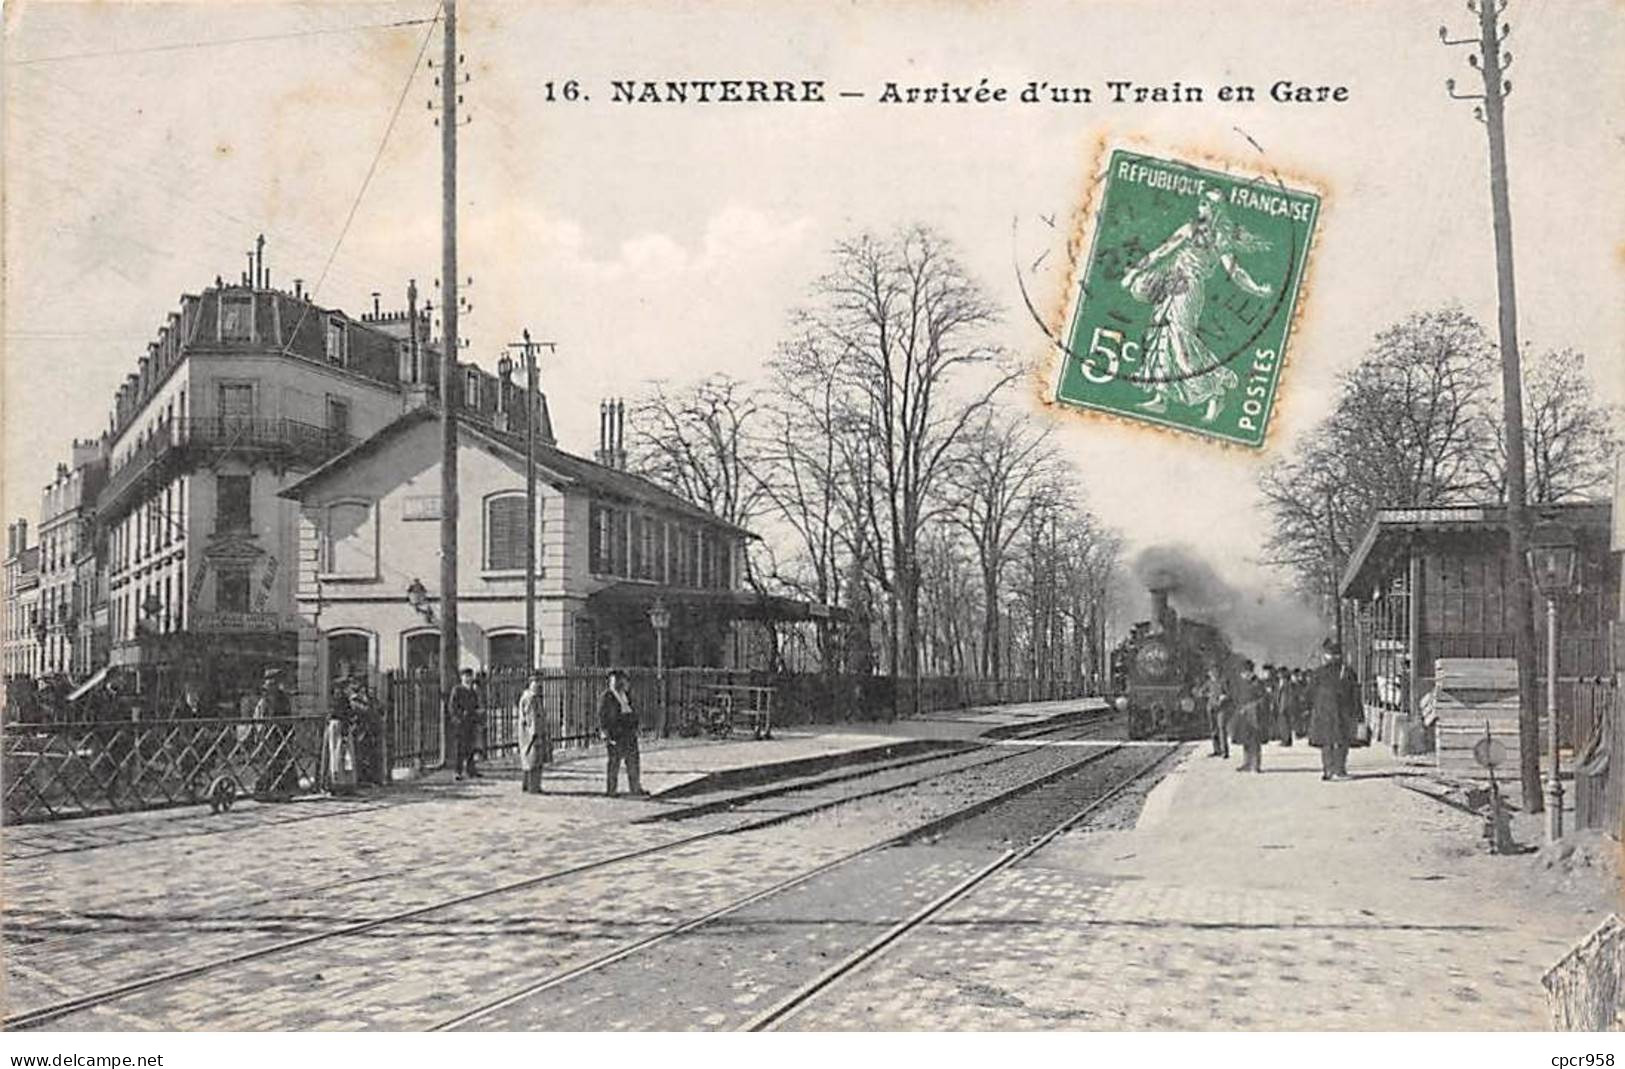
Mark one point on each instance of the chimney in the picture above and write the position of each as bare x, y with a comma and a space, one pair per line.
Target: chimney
22, 536
299, 288
259, 261
376, 309
603, 434
11, 540
620, 435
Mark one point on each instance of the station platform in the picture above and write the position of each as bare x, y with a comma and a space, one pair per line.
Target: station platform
677, 768
1231, 900
683, 767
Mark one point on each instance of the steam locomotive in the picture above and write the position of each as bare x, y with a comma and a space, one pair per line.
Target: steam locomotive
1158, 670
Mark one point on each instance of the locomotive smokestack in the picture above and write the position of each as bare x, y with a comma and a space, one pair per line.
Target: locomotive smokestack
1161, 612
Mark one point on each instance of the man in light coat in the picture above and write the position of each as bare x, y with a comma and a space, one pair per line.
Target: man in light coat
535, 743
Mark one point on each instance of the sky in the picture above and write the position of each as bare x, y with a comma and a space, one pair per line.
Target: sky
145, 152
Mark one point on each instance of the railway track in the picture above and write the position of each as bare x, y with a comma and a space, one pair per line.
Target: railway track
46, 1014
802, 995
787, 1007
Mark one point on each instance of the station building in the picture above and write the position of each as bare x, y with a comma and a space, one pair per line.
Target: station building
609, 546
1431, 583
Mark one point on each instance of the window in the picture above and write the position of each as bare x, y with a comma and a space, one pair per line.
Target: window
505, 532
348, 653
338, 417
336, 349
351, 549
237, 317
597, 538
507, 650
233, 496
236, 405
423, 652
231, 590
471, 388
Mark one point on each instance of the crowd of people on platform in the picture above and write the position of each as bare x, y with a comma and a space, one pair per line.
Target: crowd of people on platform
1252, 705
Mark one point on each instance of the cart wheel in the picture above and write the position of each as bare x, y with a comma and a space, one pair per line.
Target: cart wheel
222, 793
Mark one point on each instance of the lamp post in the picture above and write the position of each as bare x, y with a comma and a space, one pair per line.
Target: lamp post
660, 619
1553, 562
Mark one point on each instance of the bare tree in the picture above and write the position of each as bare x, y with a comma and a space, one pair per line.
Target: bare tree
1408, 430
905, 321
1569, 437
999, 472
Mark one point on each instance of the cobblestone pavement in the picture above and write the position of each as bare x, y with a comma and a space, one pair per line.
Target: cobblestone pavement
1239, 902
176, 891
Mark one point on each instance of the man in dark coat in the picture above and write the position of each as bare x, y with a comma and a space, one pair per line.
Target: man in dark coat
1218, 710
464, 706
618, 727
1248, 726
280, 779
1334, 705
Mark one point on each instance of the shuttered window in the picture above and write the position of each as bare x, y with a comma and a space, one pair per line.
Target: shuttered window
505, 533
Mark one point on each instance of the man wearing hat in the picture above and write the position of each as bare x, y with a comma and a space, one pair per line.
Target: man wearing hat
535, 745
281, 778
618, 727
464, 706
1334, 706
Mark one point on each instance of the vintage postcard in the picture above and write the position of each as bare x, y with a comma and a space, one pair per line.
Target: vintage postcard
549, 516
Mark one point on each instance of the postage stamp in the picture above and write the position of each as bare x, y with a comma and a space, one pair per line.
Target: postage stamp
1187, 297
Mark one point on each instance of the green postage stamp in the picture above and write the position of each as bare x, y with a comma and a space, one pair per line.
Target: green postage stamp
1187, 298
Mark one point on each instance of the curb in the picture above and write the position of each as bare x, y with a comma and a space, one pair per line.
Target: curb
769, 772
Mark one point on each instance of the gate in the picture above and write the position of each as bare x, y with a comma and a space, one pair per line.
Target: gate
413, 726
51, 771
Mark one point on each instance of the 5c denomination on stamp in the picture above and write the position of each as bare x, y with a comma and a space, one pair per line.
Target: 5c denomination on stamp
1187, 297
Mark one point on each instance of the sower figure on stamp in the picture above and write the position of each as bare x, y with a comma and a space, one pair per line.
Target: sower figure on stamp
618, 727
1173, 279
464, 706
1334, 704
535, 742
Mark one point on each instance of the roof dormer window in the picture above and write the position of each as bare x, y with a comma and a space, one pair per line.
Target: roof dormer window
236, 317
337, 349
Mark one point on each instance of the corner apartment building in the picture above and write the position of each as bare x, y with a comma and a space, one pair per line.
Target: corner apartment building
245, 387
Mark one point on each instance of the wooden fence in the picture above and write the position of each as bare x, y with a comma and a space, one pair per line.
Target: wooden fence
1599, 768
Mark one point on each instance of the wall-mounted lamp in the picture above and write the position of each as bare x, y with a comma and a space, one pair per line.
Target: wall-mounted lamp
417, 596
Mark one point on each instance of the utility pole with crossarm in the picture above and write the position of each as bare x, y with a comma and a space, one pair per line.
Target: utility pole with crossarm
1491, 62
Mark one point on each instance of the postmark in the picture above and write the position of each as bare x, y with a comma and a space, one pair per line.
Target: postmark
1187, 297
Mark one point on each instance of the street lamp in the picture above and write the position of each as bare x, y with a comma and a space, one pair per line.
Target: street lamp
1553, 562
660, 619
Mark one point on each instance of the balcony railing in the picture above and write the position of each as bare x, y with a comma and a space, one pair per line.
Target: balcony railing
175, 441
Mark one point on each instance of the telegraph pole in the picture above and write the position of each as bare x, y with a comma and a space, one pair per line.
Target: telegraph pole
1491, 62
532, 410
450, 346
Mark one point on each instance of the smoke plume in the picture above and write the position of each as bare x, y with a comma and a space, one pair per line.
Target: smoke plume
1267, 625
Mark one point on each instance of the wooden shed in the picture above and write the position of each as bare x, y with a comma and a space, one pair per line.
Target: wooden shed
1426, 584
